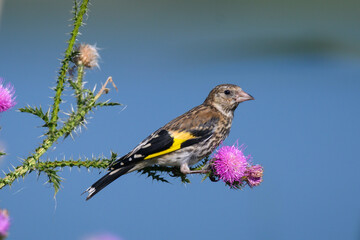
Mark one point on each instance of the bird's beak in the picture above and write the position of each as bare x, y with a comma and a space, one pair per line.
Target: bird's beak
243, 96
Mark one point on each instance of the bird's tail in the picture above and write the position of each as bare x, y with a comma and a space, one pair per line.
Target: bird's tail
106, 180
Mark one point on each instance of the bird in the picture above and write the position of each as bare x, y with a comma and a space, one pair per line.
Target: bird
185, 140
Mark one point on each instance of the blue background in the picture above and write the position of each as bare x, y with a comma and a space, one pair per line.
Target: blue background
299, 59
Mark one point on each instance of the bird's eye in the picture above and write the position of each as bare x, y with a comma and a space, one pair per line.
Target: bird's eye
227, 92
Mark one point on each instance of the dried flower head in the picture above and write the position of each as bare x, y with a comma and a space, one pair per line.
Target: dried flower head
87, 55
7, 99
4, 223
254, 175
230, 164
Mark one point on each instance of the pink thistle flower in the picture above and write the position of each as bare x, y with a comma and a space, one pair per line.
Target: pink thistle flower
105, 236
230, 165
4, 223
7, 99
87, 55
254, 175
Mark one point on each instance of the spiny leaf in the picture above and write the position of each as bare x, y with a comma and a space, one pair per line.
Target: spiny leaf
113, 155
171, 171
206, 176
37, 112
153, 175
54, 179
184, 179
202, 164
113, 158
73, 85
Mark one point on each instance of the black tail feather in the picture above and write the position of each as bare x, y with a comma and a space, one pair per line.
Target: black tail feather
106, 180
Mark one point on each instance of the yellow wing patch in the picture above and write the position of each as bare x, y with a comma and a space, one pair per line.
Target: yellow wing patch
179, 138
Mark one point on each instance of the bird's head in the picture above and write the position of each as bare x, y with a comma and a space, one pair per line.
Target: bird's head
226, 98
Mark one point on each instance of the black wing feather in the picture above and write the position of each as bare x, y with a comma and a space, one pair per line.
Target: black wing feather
161, 142
157, 144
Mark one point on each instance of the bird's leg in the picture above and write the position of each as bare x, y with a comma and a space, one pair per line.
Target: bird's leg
184, 168
198, 171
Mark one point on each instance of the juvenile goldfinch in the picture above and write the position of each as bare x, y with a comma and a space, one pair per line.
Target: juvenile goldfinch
185, 140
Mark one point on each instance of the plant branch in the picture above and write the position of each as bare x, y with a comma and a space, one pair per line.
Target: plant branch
78, 18
74, 120
79, 82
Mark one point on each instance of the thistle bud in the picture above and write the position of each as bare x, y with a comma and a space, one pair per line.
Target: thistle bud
254, 175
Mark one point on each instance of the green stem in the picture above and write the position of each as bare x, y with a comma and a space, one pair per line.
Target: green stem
86, 102
30, 163
94, 163
65, 65
73, 121
79, 83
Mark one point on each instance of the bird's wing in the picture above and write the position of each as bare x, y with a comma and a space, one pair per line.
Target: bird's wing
188, 129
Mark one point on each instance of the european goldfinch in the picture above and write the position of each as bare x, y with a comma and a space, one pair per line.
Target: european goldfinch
185, 140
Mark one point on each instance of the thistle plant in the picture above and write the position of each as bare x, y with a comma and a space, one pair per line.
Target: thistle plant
229, 164
76, 59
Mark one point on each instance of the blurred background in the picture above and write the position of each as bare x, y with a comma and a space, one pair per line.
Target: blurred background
299, 59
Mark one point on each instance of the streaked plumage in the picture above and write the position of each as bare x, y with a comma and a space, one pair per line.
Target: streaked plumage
185, 140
